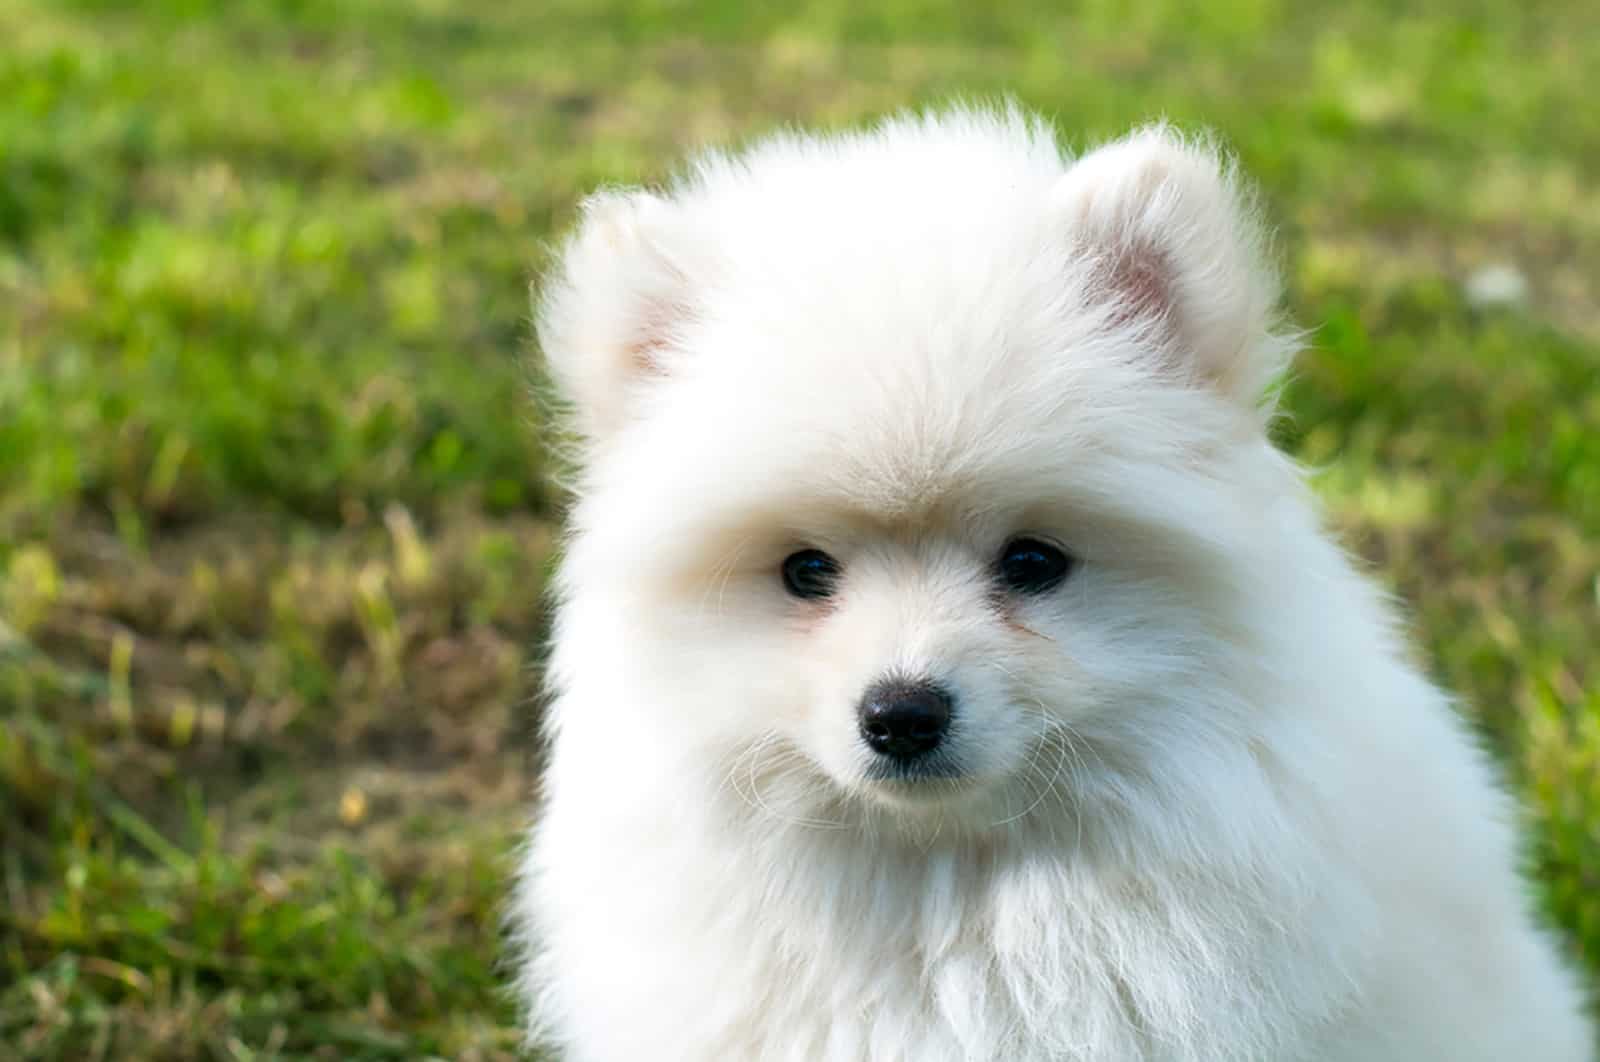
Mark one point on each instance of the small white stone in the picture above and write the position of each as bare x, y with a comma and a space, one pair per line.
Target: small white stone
1497, 285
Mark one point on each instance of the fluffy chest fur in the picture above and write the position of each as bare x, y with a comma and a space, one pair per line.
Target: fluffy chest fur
777, 942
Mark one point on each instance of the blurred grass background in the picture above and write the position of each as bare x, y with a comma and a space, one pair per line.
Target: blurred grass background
272, 523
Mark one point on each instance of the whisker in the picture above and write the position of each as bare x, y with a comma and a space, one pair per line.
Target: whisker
722, 574
782, 752
1046, 729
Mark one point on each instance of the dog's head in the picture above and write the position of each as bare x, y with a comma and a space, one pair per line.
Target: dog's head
923, 471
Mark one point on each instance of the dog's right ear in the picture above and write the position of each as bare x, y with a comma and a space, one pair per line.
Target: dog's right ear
609, 313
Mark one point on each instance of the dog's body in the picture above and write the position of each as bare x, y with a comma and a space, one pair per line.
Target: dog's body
948, 668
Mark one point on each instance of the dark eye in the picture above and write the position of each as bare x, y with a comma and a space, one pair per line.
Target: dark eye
1028, 566
810, 573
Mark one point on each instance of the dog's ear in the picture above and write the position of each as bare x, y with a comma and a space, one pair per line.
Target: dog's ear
1174, 253
608, 314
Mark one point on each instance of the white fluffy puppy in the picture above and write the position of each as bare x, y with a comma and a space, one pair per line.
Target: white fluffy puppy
948, 668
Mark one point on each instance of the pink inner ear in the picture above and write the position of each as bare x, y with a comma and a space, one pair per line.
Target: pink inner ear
654, 335
1135, 282
643, 355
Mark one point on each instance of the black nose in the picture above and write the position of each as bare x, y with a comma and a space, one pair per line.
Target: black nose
905, 719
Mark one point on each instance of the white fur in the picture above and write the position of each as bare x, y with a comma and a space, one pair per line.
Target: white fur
1210, 810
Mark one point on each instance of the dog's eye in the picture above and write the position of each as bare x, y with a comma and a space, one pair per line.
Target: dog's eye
810, 573
1028, 566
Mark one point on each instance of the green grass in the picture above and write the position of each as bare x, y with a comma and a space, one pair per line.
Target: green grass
273, 524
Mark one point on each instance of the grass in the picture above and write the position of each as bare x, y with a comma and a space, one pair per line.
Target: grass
273, 524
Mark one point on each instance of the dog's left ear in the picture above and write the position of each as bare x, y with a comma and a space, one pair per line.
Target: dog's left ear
1175, 255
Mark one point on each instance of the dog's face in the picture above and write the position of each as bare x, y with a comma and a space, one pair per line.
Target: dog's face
913, 498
